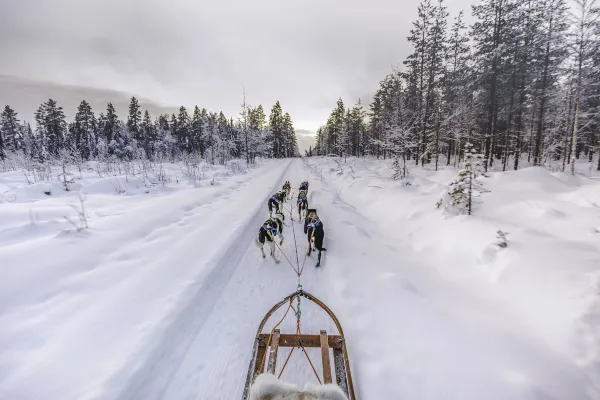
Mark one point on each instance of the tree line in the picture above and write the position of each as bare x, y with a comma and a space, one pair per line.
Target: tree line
521, 83
210, 135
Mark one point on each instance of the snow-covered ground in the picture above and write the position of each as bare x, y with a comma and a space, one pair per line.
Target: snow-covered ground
454, 314
161, 297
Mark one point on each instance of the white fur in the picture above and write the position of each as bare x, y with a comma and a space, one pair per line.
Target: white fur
271, 246
268, 387
279, 217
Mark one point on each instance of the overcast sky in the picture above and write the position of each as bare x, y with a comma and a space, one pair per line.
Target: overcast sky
305, 53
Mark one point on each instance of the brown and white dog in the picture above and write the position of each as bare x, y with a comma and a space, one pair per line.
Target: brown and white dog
287, 188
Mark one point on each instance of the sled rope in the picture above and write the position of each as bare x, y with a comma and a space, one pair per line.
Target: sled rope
280, 249
296, 247
300, 345
262, 364
306, 254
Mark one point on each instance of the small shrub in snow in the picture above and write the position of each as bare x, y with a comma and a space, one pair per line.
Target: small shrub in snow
400, 171
502, 241
119, 189
462, 190
341, 170
67, 179
81, 222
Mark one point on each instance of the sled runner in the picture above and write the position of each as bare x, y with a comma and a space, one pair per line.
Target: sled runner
271, 342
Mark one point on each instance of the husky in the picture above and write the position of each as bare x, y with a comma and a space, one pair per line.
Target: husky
287, 188
313, 229
275, 202
268, 233
302, 203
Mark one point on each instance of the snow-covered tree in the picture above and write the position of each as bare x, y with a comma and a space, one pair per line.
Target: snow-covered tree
465, 186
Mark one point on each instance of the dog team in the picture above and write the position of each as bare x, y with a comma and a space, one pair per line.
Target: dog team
272, 228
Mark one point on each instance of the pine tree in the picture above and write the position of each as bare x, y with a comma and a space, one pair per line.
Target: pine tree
9, 131
149, 136
182, 130
110, 128
462, 189
457, 88
51, 128
83, 137
134, 120
196, 131
554, 53
277, 131
583, 44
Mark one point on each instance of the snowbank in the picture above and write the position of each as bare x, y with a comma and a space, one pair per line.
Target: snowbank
538, 297
82, 310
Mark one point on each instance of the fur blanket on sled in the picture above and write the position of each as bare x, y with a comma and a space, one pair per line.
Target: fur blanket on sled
268, 387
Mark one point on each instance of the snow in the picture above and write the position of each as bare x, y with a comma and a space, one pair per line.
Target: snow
520, 323
161, 297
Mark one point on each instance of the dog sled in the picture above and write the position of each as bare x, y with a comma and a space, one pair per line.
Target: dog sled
270, 343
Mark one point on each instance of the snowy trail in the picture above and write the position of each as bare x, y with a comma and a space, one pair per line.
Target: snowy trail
211, 361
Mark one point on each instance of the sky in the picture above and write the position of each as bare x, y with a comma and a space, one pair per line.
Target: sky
306, 54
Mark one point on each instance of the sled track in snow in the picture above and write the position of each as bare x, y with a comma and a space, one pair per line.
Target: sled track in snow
151, 380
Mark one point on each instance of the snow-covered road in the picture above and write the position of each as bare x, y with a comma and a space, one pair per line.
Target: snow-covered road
167, 308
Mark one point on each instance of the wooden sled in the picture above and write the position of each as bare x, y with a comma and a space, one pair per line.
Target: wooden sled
271, 342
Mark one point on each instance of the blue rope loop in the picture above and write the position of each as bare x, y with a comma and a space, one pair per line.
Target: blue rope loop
298, 311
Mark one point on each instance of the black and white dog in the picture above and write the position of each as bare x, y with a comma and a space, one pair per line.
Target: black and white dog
313, 228
287, 188
302, 203
268, 233
275, 202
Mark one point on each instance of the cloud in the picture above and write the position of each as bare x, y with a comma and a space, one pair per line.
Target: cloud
25, 96
305, 54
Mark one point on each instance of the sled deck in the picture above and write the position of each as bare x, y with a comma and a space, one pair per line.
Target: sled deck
271, 342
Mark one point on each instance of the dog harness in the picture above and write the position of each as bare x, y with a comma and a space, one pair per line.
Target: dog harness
270, 229
314, 224
274, 199
301, 200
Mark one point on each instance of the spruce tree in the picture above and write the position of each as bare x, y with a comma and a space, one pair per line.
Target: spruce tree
9, 130
51, 128
148, 136
110, 128
182, 130
277, 130
83, 137
134, 120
